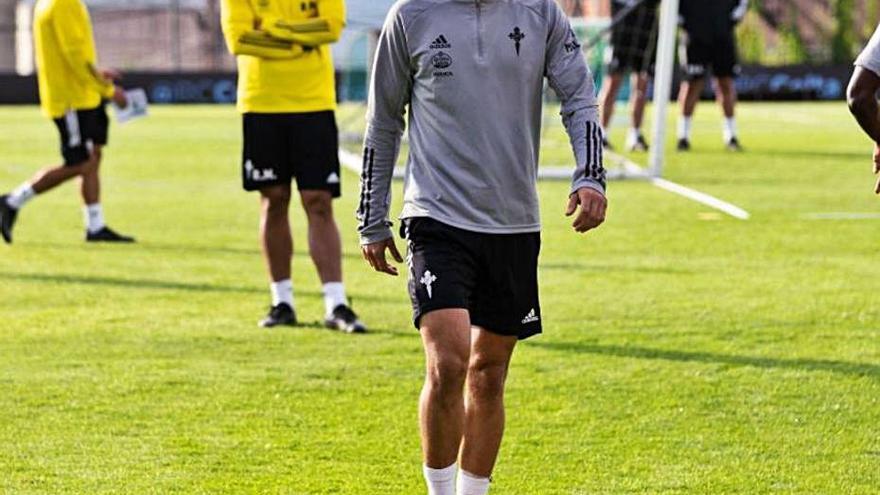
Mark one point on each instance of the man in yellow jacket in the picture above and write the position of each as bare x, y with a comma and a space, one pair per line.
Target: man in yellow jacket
287, 97
72, 93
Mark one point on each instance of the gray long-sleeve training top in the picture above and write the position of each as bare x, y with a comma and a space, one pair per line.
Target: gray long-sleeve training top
472, 74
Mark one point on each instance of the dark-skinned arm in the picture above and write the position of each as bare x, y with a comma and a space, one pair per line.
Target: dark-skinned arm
861, 96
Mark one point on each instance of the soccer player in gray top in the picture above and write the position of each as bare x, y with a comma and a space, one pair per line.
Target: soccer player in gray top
862, 95
472, 74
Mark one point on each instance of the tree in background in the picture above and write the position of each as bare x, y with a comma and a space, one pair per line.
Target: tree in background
843, 42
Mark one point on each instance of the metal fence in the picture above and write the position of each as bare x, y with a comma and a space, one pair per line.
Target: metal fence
142, 35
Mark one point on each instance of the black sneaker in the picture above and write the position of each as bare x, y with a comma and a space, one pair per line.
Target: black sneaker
7, 219
733, 145
683, 145
606, 145
107, 235
282, 314
639, 145
345, 320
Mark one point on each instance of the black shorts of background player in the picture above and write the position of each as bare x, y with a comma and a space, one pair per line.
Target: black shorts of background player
632, 50
708, 45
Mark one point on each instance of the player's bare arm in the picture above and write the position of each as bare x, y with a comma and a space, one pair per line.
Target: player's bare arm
862, 100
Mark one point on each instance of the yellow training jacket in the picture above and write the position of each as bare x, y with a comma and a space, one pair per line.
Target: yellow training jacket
283, 52
66, 59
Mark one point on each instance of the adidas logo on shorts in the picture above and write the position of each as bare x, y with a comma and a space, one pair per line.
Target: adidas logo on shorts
531, 317
440, 43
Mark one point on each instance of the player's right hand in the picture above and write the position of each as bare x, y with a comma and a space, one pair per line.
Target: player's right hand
375, 255
119, 97
877, 166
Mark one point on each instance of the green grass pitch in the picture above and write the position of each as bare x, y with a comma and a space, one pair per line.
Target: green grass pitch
685, 352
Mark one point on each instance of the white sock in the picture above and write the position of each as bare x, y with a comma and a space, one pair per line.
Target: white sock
440, 481
684, 127
729, 128
633, 135
93, 215
334, 295
282, 292
21, 195
469, 484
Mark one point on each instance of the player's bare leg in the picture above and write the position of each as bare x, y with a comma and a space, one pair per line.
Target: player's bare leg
608, 98
638, 99
324, 243
275, 237
688, 97
446, 337
484, 404
277, 243
725, 93
90, 182
50, 178
325, 248
43, 181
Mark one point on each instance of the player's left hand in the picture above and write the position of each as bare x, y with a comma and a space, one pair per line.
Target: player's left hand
375, 255
593, 206
877, 166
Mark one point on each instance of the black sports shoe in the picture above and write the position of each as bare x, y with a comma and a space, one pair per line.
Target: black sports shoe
607, 144
345, 320
683, 145
733, 145
7, 219
639, 145
107, 235
281, 314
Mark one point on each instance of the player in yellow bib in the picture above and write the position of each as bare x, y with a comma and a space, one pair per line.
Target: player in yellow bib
287, 97
72, 93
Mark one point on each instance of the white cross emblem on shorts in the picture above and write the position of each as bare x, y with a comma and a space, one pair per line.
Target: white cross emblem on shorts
427, 279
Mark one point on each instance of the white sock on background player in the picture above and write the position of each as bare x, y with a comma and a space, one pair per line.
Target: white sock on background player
282, 292
334, 295
21, 195
633, 135
469, 484
93, 215
729, 128
440, 481
684, 127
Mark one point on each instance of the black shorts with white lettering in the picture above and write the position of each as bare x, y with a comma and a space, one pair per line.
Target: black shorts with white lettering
493, 276
698, 56
280, 147
633, 44
80, 131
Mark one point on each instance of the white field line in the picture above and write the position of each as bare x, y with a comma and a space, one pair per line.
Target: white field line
702, 198
629, 170
842, 215
632, 170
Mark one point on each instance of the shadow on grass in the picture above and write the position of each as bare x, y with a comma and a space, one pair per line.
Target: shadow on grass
587, 267
148, 246
140, 284
843, 367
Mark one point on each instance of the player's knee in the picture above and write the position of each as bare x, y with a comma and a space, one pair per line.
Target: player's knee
318, 204
275, 199
447, 374
486, 379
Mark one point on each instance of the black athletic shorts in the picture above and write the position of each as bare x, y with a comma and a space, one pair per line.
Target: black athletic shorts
279, 147
80, 131
633, 45
493, 276
698, 56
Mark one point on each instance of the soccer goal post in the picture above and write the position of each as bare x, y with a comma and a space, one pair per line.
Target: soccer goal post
664, 71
